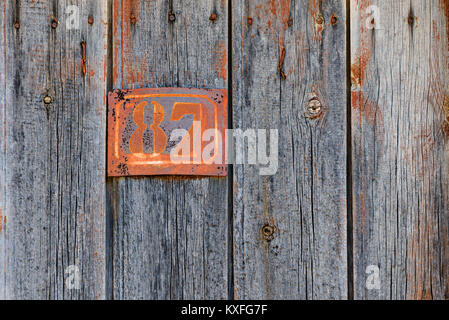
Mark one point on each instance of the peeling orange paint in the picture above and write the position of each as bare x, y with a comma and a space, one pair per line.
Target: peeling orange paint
83, 57
133, 64
116, 41
220, 60
314, 8
361, 61
285, 13
370, 111
272, 12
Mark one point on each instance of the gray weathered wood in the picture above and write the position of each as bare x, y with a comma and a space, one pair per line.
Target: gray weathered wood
170, 235
306, 199
400, 109
52, 157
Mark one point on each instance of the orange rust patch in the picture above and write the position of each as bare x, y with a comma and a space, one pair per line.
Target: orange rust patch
314, 8
281, 63
358, 70
220, 60
285, 13
360, 62
369, 110
115, 23
83, 57
273, 11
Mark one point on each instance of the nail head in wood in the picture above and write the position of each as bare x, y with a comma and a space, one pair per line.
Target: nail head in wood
171, 17
334, 20
213, 17
48, 99
268, 232
54, 23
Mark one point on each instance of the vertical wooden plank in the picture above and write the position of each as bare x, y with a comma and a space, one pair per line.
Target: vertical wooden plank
400, 109
305, 201
3, 53
52, 155
169, 233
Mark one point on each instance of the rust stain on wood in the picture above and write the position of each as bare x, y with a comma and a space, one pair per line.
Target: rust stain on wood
285, 13
360, 63
274, 13
220, 60
369, 110
83, 57
281, 62
133, 65
314, 8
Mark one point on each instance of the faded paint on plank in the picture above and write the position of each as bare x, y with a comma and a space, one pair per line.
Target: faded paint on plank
400, 148
53, 156
284, 54
169, 234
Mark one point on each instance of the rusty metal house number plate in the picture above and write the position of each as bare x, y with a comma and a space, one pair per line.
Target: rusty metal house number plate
167, 131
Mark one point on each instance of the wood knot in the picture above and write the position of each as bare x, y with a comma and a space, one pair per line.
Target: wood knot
90, 20
249, 21
314, 108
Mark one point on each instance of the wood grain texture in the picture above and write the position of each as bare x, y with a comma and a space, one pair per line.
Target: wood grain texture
400, 108
52, 156
306, 199
170, 235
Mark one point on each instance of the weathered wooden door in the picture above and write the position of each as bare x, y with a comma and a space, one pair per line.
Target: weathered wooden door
358, 208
